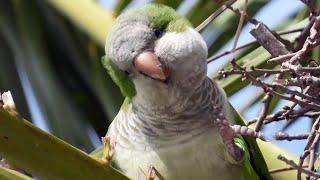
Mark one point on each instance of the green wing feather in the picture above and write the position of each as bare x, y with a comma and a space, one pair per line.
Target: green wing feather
127, 89
119, 77
256, 160
247, 172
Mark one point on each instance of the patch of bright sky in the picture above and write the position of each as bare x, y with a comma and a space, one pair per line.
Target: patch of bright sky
138, 3
108, 4
185, 6
303, 126
245, 97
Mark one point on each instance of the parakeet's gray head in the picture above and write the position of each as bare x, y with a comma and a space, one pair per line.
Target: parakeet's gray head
164, 56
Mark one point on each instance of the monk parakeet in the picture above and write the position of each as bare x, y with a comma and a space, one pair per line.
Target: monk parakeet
174, 119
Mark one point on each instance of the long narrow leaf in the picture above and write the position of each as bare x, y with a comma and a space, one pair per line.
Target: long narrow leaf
8, 174
46, 156
87, 14
31, 55
121, 4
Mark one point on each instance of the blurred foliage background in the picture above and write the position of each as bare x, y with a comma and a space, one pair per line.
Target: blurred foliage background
50, 55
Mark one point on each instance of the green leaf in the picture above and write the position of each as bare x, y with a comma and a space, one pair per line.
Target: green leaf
70, 47
28, 44
206, 7
8, 174
87, 15
226, 24
46, 156
121, 4
173, 4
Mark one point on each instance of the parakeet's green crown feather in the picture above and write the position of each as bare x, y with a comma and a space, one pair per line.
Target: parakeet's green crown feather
163, 17
122, 80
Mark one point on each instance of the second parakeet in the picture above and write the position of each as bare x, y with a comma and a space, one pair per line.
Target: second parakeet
174, 119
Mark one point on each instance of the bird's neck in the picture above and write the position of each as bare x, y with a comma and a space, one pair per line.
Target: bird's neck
176, 112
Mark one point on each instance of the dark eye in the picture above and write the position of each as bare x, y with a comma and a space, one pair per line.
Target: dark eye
157, 32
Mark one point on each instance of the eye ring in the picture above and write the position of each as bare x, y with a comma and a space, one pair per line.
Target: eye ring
158, 32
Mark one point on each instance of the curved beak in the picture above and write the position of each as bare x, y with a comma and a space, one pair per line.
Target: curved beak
148, 63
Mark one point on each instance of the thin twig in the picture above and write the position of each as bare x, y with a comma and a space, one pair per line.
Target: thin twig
290, 137
215, 57
241, 21
264, 112
213, 16
257, 72
293, 68
248, 18
312, 139
312, 160
281, 58
277, 170
294, 165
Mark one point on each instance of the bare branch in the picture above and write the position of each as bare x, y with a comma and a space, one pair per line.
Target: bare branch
265, 37
277, 170
286, 136
294, 165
